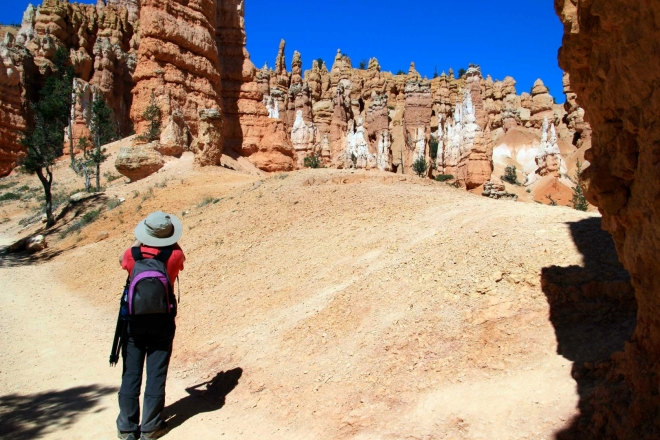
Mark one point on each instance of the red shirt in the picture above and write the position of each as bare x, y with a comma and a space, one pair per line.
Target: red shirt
174, 263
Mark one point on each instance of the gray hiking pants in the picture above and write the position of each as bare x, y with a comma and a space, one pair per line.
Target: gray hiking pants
153, 342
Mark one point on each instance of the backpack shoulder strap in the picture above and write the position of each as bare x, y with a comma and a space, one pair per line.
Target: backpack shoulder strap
164, 255
137, 254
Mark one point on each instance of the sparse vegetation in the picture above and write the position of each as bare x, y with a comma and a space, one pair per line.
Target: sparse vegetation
420, 166
8, 185
511, 175
147, 195
153, 115
320, 62
313, 161
207, 200
10, 196
435, 72
433, 148
109, 177
354, 160
579, 201
77, 226
444, 177
401, 72
461, 72
112, 204
363, 64
552, 201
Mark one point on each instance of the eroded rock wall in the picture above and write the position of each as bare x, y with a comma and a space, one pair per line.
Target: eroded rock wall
177, 62
608, 50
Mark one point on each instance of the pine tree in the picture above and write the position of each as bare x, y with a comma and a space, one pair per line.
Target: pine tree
420, 166
44, 140
153, 115
103, 132
579, 201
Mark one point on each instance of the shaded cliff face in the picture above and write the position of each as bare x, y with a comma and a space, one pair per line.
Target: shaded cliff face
608, 50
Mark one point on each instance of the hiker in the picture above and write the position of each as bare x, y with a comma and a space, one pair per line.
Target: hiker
151, 333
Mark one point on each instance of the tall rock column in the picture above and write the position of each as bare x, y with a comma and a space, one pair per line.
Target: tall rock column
177, 63
247, 128
417, 115
607, 51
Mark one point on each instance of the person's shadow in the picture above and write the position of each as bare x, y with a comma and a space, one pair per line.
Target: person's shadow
207, 396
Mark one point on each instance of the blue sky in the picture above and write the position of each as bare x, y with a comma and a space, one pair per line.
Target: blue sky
519, 38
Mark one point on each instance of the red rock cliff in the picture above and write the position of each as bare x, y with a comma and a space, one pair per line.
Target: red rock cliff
610, 49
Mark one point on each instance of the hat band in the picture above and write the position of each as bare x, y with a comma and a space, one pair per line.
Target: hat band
165, 232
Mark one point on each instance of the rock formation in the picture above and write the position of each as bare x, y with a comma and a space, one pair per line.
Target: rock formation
607, 50
139, 161
177, 62
101, 41
15, 70
191, 58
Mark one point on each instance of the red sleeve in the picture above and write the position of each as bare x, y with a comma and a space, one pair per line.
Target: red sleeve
175, 264
127, 261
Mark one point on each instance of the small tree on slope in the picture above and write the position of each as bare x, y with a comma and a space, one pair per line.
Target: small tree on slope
579, 201
420, 166
103, 132
44, 141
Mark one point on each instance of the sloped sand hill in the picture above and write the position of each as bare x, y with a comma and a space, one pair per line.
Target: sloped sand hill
327, 304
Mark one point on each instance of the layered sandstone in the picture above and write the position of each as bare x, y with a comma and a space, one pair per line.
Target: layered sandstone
607, 50
177, 62
250, 128
15, 70
100, 40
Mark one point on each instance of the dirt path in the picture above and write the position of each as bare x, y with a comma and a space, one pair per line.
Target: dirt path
55, 382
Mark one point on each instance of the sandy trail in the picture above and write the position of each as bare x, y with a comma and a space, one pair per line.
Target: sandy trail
55, 381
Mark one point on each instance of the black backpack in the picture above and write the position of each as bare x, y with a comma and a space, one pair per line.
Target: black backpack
150, 288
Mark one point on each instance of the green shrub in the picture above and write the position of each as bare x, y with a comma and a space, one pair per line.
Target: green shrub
112, 204
109, 177
444, 177
312, 161
420, 166
8, 185
207, 200
579, 200
10, 196
153, 115
433, 148
510, 175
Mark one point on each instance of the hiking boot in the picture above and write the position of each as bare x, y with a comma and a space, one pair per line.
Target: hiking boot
158, 433
126, 435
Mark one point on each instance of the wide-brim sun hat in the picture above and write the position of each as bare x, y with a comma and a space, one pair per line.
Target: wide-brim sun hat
159, 229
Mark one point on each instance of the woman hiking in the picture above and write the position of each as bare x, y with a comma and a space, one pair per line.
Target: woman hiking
153, 263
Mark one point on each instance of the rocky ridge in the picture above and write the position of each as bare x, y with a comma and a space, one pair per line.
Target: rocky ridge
192, 60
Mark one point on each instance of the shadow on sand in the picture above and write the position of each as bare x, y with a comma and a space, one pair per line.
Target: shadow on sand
202, 398
31, 416
593, 310
65, 224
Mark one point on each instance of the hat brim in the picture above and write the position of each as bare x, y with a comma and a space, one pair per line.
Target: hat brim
143, 237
